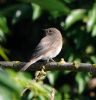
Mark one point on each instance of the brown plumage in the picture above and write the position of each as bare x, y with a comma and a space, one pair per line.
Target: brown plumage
48, 48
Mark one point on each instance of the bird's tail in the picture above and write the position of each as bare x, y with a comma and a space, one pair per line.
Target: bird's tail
32, 61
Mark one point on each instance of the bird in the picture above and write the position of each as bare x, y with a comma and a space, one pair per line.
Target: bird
48, 48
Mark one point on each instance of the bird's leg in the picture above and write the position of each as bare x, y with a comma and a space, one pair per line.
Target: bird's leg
47, 61
52, 60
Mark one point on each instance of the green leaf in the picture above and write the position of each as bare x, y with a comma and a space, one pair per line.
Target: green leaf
49, 5
93, 58
3, 28
74, 16
36, 11
66, 90
2, 37
68, 1
91, 18
9, 89
6, 94
58, 96
94, 31
23, 11
3, 24
7, 11
3, 55
30, 96
52, 77
81, 82
8, 82
37, 89
71, 58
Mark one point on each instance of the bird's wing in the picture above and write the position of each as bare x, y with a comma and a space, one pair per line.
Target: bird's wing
42, 46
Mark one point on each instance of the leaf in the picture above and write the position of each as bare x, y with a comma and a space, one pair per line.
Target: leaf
94, 31
3, 55
21, 12
81, 82
9, 10
6, 94
9, 89
3, 24
36, 11
89, 49
93, 58
26, 82
2, 37
74, 16
58, 96
66, 90
7, 82
3, 28
71, 58
91, 18
49, 5
30, 96
52, 77
68, 1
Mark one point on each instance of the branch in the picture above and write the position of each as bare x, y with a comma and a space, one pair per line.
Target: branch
16, 65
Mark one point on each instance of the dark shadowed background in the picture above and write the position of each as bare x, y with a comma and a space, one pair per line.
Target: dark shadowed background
21, 24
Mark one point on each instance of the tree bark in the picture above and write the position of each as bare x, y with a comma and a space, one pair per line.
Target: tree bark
52, 66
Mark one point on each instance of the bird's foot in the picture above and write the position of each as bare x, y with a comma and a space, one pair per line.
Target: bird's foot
52, 60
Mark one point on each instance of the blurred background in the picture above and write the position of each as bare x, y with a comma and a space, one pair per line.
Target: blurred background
21, 24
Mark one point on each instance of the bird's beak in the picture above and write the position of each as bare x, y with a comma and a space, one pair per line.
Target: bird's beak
45, 30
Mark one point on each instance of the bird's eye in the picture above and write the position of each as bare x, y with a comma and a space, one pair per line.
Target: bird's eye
50, 31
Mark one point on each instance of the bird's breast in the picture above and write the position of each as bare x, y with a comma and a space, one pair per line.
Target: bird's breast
54, 50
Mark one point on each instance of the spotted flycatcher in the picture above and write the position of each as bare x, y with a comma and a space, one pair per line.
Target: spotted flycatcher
48, 48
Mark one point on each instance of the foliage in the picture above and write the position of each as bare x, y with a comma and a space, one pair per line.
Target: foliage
15, 84
20, 23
